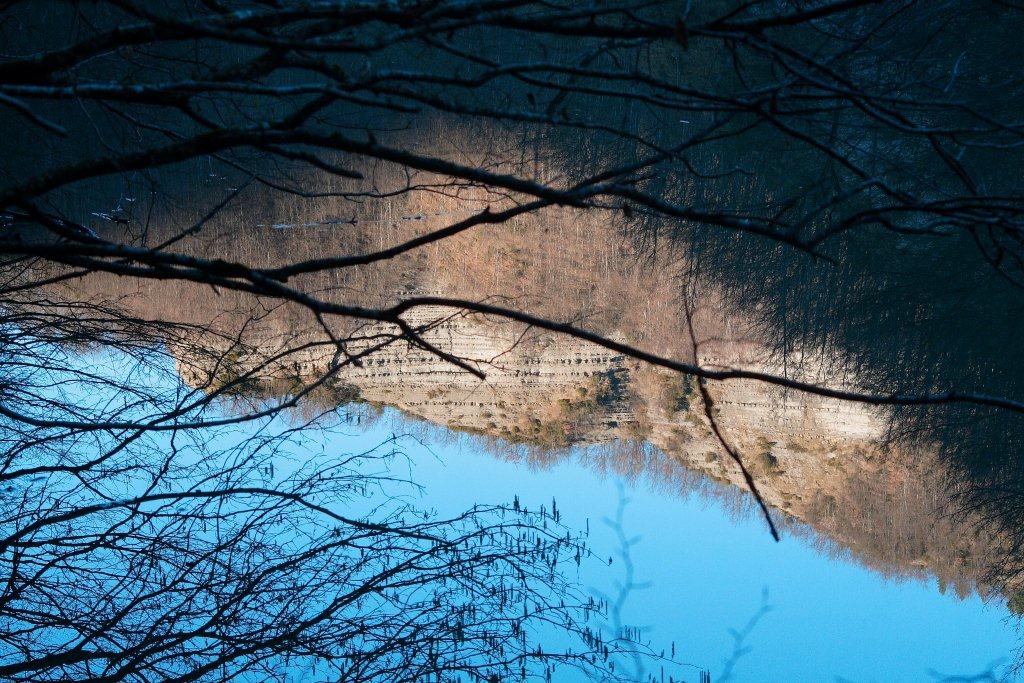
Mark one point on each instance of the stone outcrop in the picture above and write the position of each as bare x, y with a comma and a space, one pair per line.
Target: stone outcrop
816, 460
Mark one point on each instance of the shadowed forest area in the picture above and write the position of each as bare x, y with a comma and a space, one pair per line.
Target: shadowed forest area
766, 252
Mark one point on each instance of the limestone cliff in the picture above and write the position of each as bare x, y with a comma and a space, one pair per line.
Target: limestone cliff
816, 460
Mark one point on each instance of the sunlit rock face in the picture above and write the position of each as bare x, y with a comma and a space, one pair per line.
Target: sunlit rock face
593, 394
819, 461
525, 375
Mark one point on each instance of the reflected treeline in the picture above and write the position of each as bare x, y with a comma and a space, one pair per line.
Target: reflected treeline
891, 503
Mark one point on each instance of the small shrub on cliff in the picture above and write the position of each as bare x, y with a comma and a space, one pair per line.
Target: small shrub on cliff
677, 391
1016, 603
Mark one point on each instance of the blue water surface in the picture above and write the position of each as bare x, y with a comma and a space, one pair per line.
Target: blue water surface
711, 574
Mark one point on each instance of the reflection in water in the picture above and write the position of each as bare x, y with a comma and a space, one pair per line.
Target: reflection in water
846, 471
849, 479
174, 503
707, 562
245, 552
814, 460
900, 492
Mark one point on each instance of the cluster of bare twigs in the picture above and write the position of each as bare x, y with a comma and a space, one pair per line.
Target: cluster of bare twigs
323, 85
209, 552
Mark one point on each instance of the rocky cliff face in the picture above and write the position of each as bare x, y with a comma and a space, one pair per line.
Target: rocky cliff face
596, 394
818, 461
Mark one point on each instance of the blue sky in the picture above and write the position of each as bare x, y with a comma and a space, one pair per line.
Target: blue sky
829, 619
